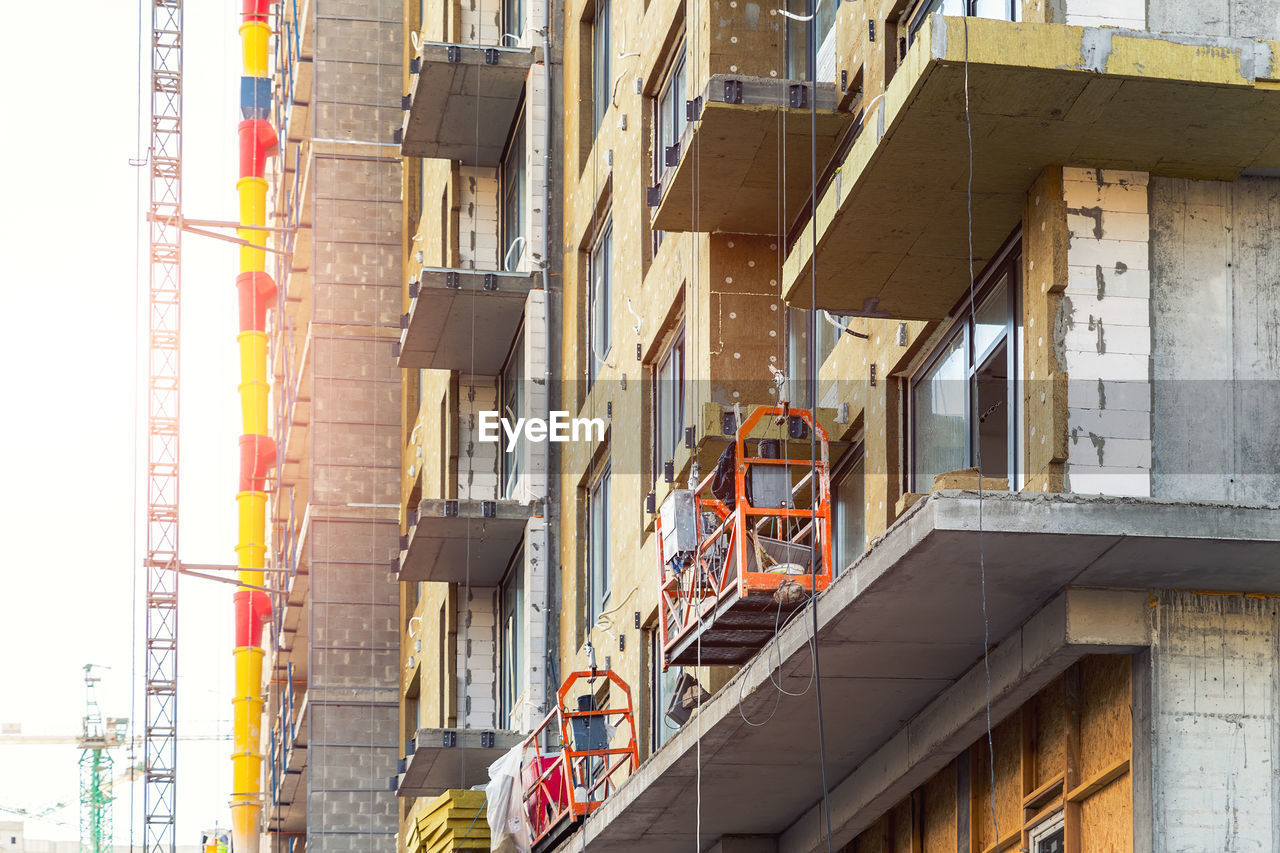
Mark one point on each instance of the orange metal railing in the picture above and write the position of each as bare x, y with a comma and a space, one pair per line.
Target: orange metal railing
745, 553
570, 764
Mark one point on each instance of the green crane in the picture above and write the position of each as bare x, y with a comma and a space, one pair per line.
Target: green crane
98, 737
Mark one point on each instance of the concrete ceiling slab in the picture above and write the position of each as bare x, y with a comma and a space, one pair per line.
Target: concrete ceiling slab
901, 626
736, 159
892, 235
461, 543
463, 320
463, 102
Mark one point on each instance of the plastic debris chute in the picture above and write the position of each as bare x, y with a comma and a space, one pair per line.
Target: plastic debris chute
508, 828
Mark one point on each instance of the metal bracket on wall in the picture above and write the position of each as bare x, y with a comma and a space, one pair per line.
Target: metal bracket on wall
653, 195
728, 423
490, 281
404, 322
448, 739
487, 740
693, 109
406, 101
450, 509
491, 56
415, 65
799, 95
488, 509
454, 53
413, 289
733, 91
453, 281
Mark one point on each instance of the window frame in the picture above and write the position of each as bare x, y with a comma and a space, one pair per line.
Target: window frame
511, 462
828, 338
672, 428
511, 200
677, 69
601, 63
511, 681
852, 459
599, 316
1046, 829
1007, 260
510, 9
916, 17
598, 541
661, 729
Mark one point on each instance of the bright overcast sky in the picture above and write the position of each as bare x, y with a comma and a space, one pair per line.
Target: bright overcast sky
67, 234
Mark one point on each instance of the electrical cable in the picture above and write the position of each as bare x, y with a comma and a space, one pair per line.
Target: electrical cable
811, 380
977, 452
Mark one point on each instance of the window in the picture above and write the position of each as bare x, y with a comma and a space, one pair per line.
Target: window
598, 546
669, 397
512, 22
848, 510
817, 35
798, 351
1005, 10
514, 180
964, 401
511, 636
514, 401
600, 307
601, 65
663, 686
1049, 836
670, 118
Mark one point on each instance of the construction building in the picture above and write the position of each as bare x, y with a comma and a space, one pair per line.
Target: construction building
881, 245
330, 674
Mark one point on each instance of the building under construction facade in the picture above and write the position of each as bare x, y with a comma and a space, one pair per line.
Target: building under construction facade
926, 361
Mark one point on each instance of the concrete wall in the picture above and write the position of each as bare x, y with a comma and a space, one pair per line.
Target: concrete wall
1258, 19
1216, 727
1216, 343
1103, 333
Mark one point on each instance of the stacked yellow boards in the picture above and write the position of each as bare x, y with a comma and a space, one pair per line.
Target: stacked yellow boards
256, 292
455, 820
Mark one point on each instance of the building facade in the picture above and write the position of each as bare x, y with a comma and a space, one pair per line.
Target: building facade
1031, 239
332, 666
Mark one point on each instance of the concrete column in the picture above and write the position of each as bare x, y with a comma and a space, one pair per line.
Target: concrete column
1215, 737
1103, 335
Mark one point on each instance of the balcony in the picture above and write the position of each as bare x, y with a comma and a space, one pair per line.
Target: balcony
463, 320
899, 634
463, 541
892, 228
463, 101
734, 148
440, 759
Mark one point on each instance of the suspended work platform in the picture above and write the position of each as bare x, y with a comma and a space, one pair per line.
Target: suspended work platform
747, 546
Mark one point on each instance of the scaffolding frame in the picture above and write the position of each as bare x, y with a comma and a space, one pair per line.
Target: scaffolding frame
164, 289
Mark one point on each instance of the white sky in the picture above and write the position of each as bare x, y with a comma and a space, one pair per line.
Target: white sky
67, 261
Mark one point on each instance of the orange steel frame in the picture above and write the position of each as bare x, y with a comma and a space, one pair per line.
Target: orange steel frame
686, 610
553, 777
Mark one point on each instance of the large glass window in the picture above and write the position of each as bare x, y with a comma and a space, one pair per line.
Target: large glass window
511, 629
848, 510
512, 22
798, 351
514, 180
600, 308
598, 545
805, 36
1004, 10
670, 117
963, 402
601, 64
669, 401
514, 403
663, 687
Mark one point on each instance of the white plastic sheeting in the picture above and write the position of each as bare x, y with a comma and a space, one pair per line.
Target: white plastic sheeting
508, 828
